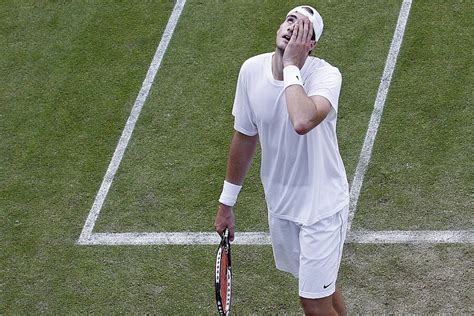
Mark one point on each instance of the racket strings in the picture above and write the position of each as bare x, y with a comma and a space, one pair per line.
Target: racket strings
224, 276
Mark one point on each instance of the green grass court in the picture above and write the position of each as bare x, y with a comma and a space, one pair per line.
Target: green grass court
70, 74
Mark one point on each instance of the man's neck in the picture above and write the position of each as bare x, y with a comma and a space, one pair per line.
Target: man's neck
277, 65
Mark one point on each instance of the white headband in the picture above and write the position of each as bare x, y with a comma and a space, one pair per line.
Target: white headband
315, 18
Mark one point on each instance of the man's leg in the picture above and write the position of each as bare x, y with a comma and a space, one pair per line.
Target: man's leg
331, 305
321, 254
338, 303
318, 306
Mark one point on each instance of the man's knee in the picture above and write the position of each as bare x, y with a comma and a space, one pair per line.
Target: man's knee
318, 306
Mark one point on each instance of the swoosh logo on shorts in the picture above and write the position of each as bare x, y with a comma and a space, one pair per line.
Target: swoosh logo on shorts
326, 286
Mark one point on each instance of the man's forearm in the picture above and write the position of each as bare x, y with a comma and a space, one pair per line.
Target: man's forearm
242, 151
301, 109
305, 112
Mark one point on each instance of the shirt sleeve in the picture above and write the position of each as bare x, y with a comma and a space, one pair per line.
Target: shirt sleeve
326, 82
244, 118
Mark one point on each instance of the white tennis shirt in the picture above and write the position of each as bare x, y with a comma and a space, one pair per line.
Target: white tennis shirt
303, 176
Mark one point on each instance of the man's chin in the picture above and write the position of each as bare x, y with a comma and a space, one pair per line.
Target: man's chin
281, 46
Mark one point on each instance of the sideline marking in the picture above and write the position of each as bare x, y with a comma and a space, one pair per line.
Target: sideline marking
130, 125
260, 238
374, 123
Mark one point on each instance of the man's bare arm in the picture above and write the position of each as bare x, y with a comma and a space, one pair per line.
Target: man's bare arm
242, 151
305, 112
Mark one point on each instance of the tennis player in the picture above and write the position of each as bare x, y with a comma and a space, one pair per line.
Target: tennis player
287, 101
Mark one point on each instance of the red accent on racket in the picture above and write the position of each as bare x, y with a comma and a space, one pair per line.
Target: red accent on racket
223, 276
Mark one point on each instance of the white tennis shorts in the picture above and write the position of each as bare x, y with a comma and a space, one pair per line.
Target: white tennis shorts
311, 253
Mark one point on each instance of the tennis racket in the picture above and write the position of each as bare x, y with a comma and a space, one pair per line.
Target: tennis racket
223, 276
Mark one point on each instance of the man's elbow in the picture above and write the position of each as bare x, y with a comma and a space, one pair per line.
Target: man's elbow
302, 128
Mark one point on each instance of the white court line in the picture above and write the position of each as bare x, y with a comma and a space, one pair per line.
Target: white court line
132, 120
374, 123
411, 237
259, 238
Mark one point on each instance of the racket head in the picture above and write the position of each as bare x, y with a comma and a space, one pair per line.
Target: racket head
223, 282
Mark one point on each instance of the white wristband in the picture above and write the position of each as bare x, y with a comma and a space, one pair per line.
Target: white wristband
229, 194
292, 76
